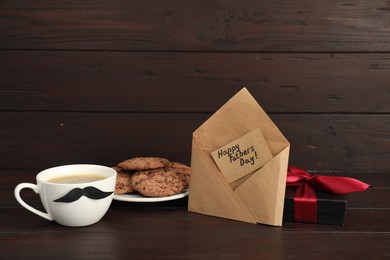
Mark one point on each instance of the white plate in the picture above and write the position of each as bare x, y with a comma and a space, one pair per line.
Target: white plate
136, 197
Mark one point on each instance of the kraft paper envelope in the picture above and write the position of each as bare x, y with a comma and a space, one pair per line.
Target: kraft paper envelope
259, 196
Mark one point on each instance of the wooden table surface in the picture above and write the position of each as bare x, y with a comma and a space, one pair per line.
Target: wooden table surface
102, 81
168, 231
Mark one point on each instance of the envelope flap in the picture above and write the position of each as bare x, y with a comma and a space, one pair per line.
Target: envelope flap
235, 118
209, 192
263, 193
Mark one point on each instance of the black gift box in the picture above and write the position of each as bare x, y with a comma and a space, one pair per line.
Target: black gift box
330, 208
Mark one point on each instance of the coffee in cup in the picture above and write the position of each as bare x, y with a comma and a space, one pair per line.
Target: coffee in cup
73, 195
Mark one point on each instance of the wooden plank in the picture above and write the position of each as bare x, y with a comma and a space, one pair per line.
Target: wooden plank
147, 231
319, 142
192, 82
32, 140
198, 25
121, 219
374, 198
337, 142
214, 245
355, 221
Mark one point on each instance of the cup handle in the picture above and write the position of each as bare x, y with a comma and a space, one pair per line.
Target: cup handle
34, 187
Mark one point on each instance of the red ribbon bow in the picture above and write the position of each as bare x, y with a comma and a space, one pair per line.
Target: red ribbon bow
305, 199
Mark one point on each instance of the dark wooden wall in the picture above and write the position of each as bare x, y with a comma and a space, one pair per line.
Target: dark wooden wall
99, 81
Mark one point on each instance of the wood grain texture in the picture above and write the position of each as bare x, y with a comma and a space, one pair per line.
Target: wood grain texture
188, 82
249, 25
147, 227
319, 142
143, 234
100, 81
135, 78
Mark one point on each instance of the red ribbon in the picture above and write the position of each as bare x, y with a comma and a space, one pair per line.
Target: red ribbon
305, 199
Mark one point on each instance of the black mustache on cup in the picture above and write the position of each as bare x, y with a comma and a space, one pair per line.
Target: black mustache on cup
89, 192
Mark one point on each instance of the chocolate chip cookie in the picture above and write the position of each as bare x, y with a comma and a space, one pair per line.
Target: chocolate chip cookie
143, 163
123, 183
182, 169
158, 182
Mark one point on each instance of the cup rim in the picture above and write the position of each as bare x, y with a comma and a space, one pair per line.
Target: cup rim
42, 175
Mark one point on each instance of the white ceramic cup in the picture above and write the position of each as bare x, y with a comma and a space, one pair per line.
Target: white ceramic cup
72, 204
